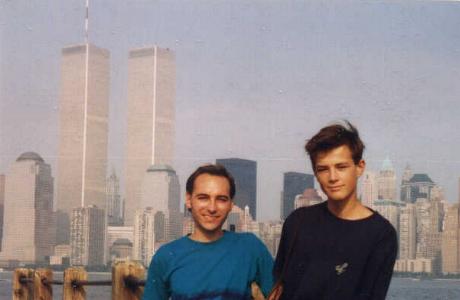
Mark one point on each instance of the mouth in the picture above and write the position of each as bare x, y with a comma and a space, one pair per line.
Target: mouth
335, 188
210, 218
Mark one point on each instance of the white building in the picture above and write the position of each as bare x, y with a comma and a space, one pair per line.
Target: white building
87, 236
151, 119
29, 226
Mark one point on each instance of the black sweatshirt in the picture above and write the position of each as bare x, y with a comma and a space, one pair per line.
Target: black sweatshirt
333, 258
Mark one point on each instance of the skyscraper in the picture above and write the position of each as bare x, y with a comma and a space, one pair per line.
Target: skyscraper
451, 242
150, 119
83, 129
144, 234
407, 232
28, 233
161, 191
419, 186
2, 203
369, 192
386, 181
245, 173
87, 236
114, 203
294, 184
405, 184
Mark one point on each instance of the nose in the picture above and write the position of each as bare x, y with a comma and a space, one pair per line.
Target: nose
212, 208
333, 175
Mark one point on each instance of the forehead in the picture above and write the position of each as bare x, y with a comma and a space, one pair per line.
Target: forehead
334, 156
211, 184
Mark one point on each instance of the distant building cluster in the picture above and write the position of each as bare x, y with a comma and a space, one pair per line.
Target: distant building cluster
427, 225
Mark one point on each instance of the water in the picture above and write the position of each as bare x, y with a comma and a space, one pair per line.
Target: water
400, 288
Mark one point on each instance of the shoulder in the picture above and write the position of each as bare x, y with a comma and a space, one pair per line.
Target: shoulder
171, 248
247, 239
305, 213
383, 228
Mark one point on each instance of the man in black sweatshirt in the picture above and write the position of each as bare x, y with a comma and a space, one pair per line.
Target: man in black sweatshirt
338, 249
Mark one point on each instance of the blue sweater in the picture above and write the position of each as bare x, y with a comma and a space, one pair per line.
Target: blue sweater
221, 270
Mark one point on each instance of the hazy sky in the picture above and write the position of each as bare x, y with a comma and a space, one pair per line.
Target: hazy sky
254, 79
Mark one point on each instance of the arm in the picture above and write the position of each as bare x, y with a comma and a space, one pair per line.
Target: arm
264, 277
156, 287
283, 247
379, 267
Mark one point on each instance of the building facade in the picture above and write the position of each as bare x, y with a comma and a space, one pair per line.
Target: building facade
150, 119
386, 181
2, 203
368, 189
87, 236
83, 131
29, 228
245, 173
294, 184
114, 202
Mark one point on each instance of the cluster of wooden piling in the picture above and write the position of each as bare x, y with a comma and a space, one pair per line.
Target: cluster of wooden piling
127, 283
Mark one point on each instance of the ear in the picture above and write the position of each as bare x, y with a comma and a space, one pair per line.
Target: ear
188, 200
361, 167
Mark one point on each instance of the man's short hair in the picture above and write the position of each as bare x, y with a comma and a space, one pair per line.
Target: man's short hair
211, 169
333, 136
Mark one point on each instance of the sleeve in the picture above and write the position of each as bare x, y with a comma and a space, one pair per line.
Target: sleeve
156, 286
264, 277
379, 267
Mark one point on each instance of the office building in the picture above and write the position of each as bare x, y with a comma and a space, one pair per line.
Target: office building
150, 119
451, 242
114, 202
386, 181
368, 189
294, 184
161, 190
407, 232
29, 229
245, 173
83, 131
2, 203
87, 236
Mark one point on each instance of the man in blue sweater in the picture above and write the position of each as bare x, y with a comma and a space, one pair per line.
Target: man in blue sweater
210, 263
338, 249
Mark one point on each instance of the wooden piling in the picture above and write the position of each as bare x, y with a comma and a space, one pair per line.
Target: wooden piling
42, 286
121, 270
23, 290
70, 290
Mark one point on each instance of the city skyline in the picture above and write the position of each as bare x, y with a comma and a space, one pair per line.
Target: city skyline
254, 85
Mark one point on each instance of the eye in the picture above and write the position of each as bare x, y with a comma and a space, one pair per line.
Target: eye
223, 199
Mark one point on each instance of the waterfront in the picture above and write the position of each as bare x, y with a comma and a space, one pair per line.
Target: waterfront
401, 288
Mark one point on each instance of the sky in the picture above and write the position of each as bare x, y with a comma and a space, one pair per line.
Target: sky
255, 79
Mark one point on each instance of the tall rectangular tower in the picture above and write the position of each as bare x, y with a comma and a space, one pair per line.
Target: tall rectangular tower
83, 128
2, 203
294, 184
150, 119
245, 173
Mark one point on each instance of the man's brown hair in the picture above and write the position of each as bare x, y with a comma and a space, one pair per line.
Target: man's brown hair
333, 136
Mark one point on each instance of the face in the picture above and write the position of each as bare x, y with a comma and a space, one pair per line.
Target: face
210, 203
338, 174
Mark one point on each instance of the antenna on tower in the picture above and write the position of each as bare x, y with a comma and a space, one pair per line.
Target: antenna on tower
86, 22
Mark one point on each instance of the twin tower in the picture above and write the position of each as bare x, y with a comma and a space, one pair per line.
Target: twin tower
84, 126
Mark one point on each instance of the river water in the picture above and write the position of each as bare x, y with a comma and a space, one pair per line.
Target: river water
400, 288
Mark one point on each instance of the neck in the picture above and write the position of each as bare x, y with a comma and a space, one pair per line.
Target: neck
206, 236
349, 209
